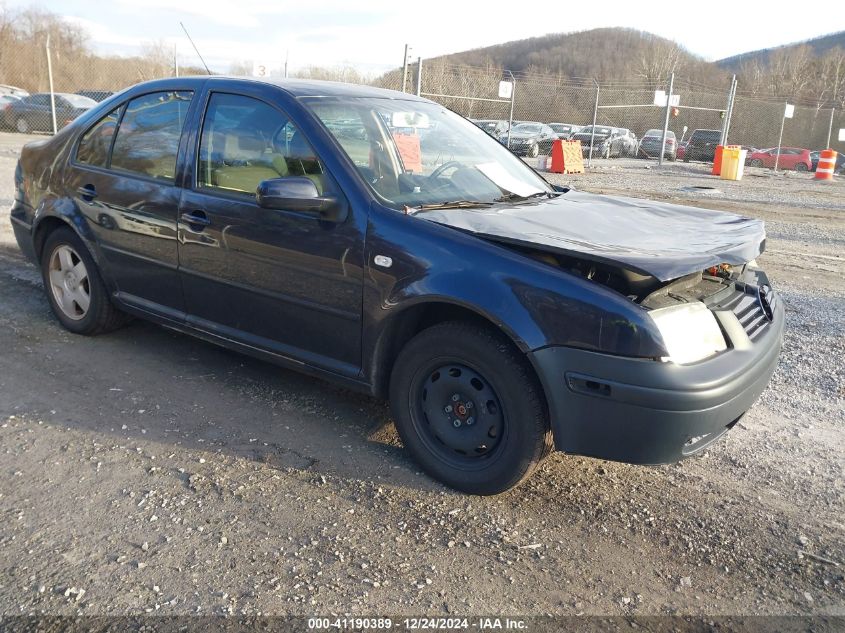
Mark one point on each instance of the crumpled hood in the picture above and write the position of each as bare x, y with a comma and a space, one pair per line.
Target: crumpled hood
663, 240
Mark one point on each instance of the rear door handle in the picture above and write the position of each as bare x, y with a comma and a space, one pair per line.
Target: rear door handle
87, 192
195, 218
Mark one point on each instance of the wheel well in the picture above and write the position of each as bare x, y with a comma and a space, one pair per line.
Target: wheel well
45, 227
410, 322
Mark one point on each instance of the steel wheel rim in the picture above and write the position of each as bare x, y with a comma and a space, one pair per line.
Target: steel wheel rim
69, 282
459, 415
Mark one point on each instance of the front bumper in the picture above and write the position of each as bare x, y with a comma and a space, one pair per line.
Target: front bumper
644, 411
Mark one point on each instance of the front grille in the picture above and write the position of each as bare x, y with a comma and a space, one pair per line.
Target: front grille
753, 307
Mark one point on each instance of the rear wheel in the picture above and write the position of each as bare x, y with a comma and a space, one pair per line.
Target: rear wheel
756, 162
801, 167
75, 290
469, 409
22, 126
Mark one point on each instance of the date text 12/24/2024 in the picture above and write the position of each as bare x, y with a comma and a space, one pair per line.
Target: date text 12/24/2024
417, 624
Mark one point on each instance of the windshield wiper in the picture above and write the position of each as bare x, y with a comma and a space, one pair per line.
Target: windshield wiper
454, 204
515, 197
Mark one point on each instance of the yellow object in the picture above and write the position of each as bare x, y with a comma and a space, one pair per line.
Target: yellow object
733, 162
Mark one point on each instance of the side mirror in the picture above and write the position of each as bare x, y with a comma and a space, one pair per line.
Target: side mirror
298, 193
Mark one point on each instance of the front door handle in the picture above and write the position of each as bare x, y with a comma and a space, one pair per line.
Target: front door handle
87, 192
195, 218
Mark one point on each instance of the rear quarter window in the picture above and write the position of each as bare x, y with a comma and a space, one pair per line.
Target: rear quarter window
94, 145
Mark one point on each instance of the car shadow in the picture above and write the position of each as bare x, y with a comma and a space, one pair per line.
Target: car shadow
148, 382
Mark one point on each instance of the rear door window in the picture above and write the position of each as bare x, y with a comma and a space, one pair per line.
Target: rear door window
147, 140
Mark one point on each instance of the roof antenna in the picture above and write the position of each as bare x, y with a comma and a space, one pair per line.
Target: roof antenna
195, 47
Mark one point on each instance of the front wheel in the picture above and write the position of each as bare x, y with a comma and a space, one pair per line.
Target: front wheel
469, 409
22, 125
801, 167
756, 163
75, 290
534, 151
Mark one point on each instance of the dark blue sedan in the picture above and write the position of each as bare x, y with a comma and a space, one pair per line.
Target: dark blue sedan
378, 240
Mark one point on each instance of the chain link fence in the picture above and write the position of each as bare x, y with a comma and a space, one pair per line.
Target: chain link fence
56, 78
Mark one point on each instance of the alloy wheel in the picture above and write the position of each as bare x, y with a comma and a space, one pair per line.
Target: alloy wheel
69, 283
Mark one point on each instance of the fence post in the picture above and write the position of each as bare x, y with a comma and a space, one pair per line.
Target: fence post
593, 129
830, 128
729, 114
513, 98
780, 137
405, 69
666, 118
50, 78
419, 75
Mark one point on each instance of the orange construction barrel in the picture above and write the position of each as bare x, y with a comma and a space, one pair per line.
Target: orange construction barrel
717, 161
827, 164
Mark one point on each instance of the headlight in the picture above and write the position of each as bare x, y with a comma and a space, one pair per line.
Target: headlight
690, 332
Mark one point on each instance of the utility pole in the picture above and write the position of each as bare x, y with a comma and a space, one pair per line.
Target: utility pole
666, 118
724, 139
175, 62
405, 68
419, 76
287, 55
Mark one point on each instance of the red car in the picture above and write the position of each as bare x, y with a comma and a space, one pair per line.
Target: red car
790, 158
681, 151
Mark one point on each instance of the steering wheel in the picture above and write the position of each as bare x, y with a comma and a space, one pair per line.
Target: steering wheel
444, 167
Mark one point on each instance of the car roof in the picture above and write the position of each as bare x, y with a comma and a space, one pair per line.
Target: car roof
294, 87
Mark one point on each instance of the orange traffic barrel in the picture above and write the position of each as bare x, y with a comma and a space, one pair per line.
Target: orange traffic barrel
827, 163
717, 161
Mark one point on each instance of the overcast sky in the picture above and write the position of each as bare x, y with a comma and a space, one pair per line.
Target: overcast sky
370, 35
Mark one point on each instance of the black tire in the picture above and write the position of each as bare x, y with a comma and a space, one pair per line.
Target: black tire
22, 125
100, 316
801, 167
756, 162
512, 433
534, 151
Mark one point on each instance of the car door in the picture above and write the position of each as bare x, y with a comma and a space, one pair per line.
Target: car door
122, 177
283, 281
35, 110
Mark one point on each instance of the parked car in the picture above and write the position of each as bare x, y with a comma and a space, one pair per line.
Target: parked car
565, 130
608, 142
34, 113
96, 95
790, 158
6, 99
839, 167
530, 139
681, 152
6, 89
702, 145
494, 127
503, 317
652, 141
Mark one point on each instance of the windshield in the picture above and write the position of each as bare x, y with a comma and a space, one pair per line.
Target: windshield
599, 130
557, 127
414, 153
78, 101
527, 128
488, 126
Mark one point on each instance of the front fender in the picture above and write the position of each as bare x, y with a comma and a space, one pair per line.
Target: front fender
535, 304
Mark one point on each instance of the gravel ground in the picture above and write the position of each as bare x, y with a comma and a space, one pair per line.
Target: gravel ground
148, 472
